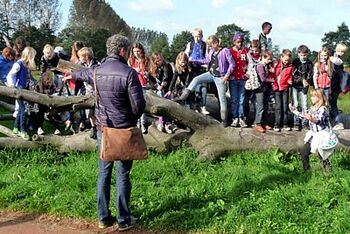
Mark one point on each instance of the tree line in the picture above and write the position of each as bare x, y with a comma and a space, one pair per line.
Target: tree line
93, 21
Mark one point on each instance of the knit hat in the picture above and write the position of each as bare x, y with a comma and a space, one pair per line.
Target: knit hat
238, 36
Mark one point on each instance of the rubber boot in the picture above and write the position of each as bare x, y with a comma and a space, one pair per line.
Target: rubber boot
184, 96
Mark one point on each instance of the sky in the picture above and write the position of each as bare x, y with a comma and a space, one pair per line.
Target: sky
293, 22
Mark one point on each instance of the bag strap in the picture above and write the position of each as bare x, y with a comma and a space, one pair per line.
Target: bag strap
95, 88
97, 95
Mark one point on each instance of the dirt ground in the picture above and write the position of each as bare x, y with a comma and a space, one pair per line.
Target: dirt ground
23, 223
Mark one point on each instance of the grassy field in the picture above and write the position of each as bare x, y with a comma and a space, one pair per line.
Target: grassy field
250, 192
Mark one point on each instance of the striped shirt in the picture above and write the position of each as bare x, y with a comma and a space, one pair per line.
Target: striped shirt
322, 116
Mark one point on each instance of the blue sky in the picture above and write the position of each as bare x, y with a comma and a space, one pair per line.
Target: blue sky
294, 22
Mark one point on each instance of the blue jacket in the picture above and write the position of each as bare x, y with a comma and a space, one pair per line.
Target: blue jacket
22, 76
120, 100
5, 67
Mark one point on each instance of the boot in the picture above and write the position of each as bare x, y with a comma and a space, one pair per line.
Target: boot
306, 163
223, 115
184, 96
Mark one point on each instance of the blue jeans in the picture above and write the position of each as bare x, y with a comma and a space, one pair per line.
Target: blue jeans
220, 85
298, 94
261, 107
123, 187
237, 93
21, 118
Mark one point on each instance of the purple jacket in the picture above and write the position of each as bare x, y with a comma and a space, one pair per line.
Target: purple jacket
120, 99
225, 59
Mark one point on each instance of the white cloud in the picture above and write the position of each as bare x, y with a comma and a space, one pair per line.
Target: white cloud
151, 5
218, 3
301, 25
170, 28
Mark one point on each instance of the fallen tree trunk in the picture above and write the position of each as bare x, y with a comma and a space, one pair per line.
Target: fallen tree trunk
207, 135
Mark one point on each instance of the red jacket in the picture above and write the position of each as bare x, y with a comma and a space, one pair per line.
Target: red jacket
241, 61
282, 75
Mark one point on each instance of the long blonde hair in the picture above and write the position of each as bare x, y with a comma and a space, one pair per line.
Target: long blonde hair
329, 63
28, 55
322, 99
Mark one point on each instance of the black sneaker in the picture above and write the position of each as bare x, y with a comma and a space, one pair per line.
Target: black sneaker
107, 223
127, 226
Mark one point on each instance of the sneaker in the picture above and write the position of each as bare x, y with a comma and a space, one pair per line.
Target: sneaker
25, 136
204, 110
160, 127
15, 114
168, 128
338, 126
259, 128
93, 133
108, 223
143, 129
296, 128
127, 226
287, 129
68, 125
15, 131
267, 127
276, 129
242, 123
234, 122
40, 131
57, 132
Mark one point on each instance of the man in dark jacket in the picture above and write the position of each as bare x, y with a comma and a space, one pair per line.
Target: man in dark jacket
120, 103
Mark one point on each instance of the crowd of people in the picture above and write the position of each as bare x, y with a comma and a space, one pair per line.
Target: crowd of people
254, 77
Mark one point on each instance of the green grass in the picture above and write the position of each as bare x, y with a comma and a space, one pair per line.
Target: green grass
244, 193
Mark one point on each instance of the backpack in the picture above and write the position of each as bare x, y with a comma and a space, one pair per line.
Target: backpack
253, 81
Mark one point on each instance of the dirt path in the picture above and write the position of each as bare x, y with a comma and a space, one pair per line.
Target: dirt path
23, 223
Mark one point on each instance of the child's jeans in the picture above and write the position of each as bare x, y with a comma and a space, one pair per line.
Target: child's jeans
299, 95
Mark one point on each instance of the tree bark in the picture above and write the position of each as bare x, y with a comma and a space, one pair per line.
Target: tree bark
207, 134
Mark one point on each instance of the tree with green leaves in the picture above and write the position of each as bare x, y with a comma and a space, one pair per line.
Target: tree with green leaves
145, 37
161, 45
94, 38
226, 31
180, 41
94, 14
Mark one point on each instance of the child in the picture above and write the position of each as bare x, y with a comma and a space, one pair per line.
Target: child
196, 49
139, 61
45, 85
338, 73
86, 58
301, 81
252, 83
282, 80
318, 118
238, 79
263, 92
18, 77
160, 75
264, 41
6, 63
323, 70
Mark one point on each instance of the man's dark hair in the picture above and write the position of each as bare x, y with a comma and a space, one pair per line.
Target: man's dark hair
266, 24
115, 43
